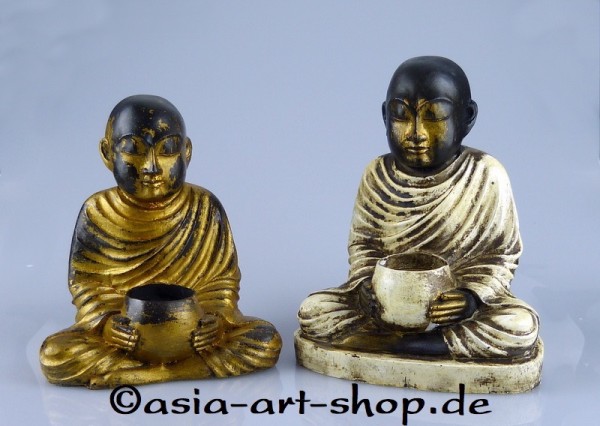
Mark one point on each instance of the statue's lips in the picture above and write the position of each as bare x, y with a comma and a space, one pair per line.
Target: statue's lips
416, 149
155, 183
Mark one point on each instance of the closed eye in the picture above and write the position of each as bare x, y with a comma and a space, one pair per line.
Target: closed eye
132, 146
436, 110
399, 111
171, 145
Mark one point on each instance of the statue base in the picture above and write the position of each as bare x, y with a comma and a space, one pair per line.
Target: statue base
441, 375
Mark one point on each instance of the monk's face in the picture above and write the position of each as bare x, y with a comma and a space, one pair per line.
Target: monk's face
426, 115
423, 133
150, 152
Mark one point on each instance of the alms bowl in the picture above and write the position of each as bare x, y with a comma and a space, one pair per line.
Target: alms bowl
165, 316
406, 284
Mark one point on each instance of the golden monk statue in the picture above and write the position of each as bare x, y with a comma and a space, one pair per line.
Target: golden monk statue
430, 198
153, 228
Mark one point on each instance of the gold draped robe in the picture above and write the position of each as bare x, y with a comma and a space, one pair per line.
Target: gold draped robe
465, 214
119, 244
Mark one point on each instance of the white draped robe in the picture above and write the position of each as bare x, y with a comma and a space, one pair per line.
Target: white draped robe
465, 214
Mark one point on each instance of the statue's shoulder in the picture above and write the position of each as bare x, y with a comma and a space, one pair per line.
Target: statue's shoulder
493, 168
204, 196
198, 190
95, 198
92, 204
385, 161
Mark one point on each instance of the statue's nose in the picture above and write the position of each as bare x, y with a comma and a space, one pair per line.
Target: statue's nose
417, 132
151, 165
417, 137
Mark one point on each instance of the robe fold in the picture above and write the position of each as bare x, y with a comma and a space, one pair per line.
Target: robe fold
465, 214
119, 244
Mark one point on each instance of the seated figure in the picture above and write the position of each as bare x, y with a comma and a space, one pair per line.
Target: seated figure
431, 195
152, 228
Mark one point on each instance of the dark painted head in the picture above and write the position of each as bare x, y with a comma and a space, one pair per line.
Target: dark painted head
146, 148
427, 113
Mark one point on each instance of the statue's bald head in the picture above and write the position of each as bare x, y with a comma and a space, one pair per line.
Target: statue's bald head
142, 114
146, 147
428, 111
430, 77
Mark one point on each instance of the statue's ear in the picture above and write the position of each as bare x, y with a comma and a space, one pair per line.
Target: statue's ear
188, 151
106, 153
383, 112
470, 116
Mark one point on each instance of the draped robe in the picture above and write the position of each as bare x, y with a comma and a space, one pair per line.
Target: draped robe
119, 244
465, 214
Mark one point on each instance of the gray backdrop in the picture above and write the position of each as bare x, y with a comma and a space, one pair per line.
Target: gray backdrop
282, 102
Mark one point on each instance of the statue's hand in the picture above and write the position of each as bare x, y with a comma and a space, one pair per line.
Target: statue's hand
208, 332
452, 306
118, 332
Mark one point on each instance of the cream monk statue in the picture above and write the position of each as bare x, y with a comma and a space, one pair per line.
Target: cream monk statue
151, 242
432, 207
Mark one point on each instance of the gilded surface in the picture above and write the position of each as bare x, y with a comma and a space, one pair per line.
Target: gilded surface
152, 228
